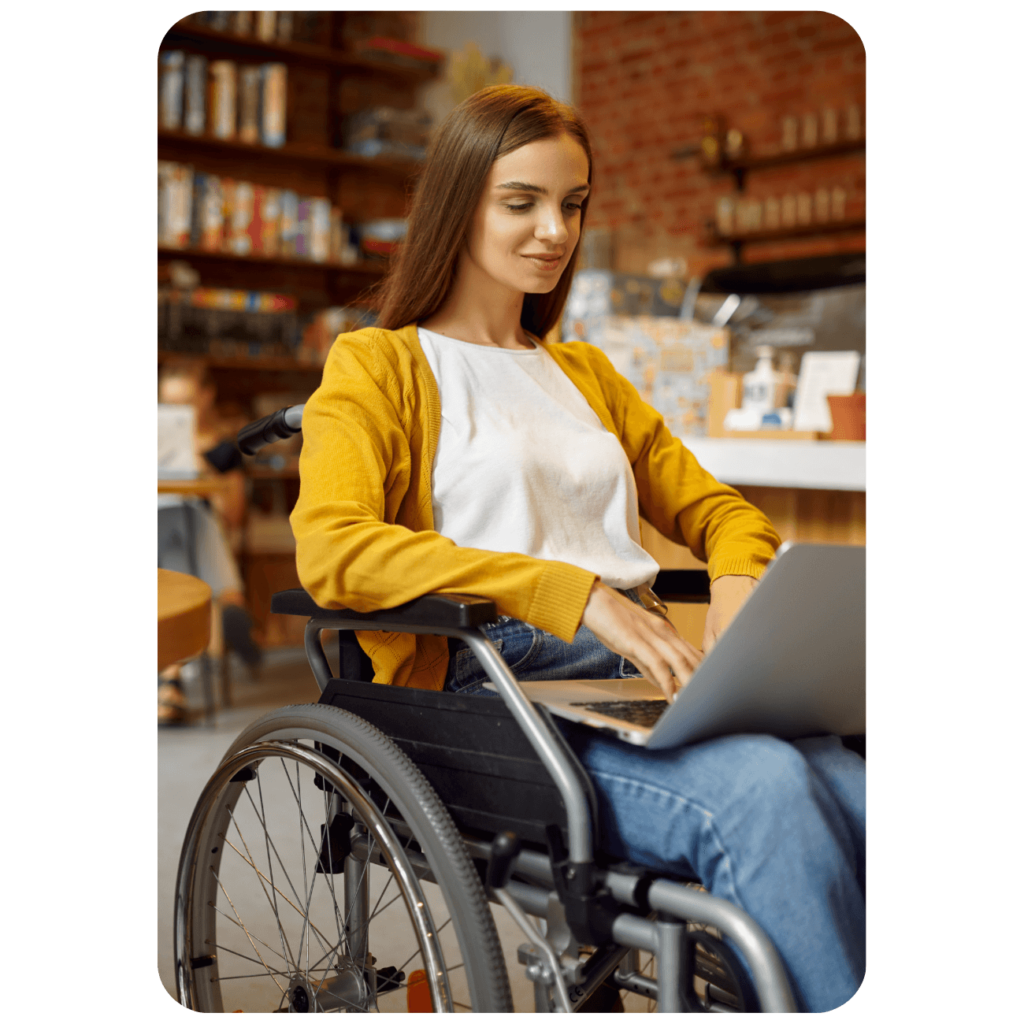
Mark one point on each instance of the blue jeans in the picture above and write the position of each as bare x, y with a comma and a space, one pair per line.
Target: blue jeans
775, 827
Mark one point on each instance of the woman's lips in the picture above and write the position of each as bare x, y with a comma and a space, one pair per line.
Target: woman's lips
543, 262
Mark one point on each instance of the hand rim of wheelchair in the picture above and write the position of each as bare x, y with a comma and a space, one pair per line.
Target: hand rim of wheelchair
276, 735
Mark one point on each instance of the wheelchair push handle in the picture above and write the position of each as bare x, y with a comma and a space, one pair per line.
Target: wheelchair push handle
277, 426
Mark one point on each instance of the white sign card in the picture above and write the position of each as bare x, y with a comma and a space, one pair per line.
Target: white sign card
175, 441
821, 374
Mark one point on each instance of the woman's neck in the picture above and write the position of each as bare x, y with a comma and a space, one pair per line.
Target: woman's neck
480, 312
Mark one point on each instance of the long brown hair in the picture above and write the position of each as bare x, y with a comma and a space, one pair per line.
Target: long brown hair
491, 123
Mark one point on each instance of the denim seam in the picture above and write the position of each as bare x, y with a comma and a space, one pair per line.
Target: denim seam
531, 654
466, 656
709, 817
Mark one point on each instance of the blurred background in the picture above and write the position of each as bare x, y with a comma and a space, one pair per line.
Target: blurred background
723, 263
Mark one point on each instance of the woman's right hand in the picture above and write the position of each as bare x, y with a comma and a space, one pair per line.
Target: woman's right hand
645, 638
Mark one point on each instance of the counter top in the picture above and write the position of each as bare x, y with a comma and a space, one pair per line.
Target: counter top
818, 465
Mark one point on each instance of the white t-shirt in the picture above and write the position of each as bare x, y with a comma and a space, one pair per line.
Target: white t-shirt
524, 465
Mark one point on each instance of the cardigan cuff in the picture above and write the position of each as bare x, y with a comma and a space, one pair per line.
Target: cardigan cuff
736, 566
558, 602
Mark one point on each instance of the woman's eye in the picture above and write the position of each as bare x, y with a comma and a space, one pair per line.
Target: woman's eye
527, 206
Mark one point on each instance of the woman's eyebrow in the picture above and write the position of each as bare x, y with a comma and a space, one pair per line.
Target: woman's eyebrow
523, 186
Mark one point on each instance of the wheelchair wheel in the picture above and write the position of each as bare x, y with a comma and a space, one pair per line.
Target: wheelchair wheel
321, 873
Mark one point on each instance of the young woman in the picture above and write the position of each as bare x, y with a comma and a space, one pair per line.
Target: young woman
452, 450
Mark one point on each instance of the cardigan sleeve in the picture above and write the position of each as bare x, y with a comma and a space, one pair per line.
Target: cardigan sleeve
362, 524
677, 495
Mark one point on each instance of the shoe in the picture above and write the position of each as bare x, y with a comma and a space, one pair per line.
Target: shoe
171, 708
238, 637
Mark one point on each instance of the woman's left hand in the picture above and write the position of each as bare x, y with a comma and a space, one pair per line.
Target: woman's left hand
727, 596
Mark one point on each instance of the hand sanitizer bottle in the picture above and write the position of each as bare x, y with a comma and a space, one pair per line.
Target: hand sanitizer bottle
759, 384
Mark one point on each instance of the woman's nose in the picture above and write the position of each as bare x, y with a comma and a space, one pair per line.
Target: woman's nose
552, 227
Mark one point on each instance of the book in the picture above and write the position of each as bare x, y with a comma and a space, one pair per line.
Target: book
289, 222
223, 94
268, 210
266, 25
174, 204
241, 23
274, 103
228, 187
240, 241
284, 26
320, 229
195, 94
209, 200
303, 227
249, 103
172, 64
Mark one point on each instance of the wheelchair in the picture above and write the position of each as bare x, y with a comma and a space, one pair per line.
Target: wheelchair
345, 855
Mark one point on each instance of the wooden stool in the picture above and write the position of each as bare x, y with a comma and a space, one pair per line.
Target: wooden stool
201, 487
183, 622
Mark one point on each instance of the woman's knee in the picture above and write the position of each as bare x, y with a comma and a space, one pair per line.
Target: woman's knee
766, 774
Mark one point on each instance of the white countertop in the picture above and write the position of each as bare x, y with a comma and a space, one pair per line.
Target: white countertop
821, 465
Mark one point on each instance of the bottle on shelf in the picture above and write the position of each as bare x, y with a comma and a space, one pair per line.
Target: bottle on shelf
759, 383
765, 396
711, 142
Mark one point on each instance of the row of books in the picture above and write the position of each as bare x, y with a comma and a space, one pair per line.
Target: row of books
383, 39
267, 26
209, 213
228, 323
248, 102
224, 99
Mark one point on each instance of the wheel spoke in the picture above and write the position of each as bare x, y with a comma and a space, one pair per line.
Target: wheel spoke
316, 931
328, 878
247, 935
244, 956
284, 870
285, 945
271, 896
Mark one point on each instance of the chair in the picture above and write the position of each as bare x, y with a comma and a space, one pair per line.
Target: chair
345, 854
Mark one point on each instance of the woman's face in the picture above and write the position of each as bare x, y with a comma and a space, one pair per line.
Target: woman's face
527, 222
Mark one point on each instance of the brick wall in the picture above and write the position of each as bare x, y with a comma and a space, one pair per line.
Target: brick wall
645, 82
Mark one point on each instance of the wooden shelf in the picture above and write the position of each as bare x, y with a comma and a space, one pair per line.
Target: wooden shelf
272, 363
365, 268
290, 151
789, 156
782, 234
305, 53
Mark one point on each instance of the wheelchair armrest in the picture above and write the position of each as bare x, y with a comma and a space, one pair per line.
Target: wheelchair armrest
445, 611
683, 585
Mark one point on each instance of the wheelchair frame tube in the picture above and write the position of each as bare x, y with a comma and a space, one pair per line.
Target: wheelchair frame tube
548, 748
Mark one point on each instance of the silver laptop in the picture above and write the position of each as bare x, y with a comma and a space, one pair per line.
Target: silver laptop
790, 664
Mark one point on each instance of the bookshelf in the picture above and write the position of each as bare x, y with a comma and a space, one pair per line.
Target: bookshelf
328, 78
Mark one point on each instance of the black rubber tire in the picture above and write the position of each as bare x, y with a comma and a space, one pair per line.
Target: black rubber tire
402, 783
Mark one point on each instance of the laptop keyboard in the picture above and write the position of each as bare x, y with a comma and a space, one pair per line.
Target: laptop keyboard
637, 712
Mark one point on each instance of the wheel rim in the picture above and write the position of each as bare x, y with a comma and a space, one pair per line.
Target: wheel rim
257, 927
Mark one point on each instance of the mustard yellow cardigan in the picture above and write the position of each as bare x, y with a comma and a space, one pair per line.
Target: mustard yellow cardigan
364, 526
